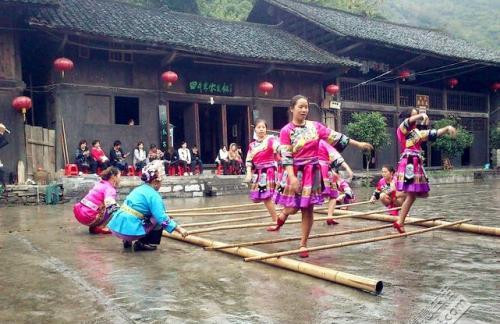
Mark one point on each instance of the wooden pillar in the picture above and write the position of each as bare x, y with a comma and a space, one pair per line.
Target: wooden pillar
249, 124
224, 125
197, 125
445, 99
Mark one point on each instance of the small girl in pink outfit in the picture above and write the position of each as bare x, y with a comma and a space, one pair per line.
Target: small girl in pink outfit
95, 209
262, 168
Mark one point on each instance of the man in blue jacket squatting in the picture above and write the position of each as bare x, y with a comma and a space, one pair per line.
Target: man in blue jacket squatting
142, 216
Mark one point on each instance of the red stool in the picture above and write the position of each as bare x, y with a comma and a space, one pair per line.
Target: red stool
220, 169
197, 170
131, 171
71, 170
171, 170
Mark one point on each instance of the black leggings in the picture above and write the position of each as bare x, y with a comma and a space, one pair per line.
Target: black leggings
153, 237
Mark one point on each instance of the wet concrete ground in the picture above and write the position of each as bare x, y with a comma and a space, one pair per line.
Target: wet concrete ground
53, 271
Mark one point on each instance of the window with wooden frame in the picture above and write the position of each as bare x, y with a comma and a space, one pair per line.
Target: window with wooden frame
118, 53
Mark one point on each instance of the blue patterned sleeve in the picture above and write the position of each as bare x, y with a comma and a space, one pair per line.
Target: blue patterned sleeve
158, 211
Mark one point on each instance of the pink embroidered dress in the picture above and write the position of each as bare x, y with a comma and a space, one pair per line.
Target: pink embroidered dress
299, 147
261, 158
410, 173
91, 210
389, 189
327, 155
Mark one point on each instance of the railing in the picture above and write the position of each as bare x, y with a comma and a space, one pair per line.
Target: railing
380, 93
384, 94
467, 102
408, 95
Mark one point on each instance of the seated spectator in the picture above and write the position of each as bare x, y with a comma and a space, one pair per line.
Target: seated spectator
98, 155
223, 159
184, 157
117, 156
154, 153
140, 157
171, 158
196, 159
83, 159
235, 160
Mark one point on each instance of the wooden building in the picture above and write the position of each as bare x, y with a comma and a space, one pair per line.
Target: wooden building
120, 51
385, 49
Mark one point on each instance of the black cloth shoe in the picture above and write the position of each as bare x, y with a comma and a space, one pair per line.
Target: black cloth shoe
139, 246
127, 244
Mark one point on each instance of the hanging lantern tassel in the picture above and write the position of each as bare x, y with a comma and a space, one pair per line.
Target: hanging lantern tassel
404, 74
22, 104
63, 64
169, 78
266, 87
453, 82
332, 89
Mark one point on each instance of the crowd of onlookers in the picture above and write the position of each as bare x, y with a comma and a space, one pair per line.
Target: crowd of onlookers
183, 161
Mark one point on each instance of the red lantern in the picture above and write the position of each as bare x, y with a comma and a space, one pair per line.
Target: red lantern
404, 74
495, 86
63, 64
266, 87
22, 104
332, 89
169, 78
452, 82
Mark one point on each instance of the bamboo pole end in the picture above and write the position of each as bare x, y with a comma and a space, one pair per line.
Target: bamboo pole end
379, 287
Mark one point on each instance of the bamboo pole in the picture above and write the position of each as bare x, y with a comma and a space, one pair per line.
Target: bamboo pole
343, 278
178, 212
296, 238
230, 227
213, 208
356, 242
219, 213
468, 228
231, 220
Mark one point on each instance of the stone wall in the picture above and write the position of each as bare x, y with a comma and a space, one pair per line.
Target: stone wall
25, 195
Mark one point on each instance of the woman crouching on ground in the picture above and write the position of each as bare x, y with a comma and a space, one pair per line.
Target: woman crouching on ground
142, 217
95, 209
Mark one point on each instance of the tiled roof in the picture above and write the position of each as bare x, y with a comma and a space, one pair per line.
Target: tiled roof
388, 33
183, 31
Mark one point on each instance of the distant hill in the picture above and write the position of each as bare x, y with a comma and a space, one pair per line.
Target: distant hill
477, 21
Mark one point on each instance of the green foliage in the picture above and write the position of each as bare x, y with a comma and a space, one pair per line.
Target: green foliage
473, 20
495, 137
369, 127
452, 147
239, 9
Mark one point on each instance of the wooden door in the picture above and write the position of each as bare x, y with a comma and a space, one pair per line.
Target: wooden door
40, 149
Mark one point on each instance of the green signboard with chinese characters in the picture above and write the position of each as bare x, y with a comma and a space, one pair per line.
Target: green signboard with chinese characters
210, 88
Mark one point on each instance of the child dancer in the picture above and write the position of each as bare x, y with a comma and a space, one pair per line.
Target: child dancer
330, 161
95, 209
261, 168
385, 191
410, 175
301, 183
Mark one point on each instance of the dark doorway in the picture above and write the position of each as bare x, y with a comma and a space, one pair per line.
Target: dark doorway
210, 117
237, 126
177, 112
280, 117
